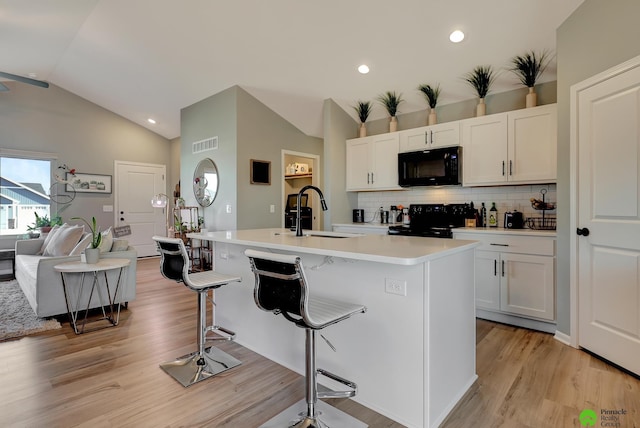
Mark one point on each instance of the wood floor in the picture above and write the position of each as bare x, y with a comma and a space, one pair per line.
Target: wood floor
111, 378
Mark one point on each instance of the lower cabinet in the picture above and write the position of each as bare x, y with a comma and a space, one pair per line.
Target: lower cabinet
515, 275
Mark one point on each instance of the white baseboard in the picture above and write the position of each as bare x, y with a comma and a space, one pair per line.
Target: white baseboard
562, 337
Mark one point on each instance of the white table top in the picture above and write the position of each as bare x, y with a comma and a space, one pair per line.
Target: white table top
102, 265
401, 250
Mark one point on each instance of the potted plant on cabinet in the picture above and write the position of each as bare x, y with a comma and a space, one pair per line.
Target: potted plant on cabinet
529, 67
431, 94
391, 101
92, 252
44, 223
363, 108
481, 79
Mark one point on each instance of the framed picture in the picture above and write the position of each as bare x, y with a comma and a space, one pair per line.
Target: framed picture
89, 183
260, 172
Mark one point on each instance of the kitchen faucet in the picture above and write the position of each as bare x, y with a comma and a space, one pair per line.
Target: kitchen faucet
299, 202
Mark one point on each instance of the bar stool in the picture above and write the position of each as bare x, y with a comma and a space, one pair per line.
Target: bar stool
282, 288
205, 362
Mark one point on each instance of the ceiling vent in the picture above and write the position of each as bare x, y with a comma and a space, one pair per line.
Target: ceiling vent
205, 145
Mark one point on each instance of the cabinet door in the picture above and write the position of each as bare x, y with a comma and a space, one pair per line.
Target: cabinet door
430, 137
484, 142
532, 136
444, 135
526, 285
358, 174
384, 173
487, 280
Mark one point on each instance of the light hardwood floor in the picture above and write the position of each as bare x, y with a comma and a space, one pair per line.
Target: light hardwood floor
111, 378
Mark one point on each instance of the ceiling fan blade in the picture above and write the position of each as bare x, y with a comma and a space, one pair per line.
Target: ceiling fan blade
24, 79
3, 88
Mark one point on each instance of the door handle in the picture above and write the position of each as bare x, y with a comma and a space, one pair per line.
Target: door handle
495, 267
510, 167
503, 268
583, 232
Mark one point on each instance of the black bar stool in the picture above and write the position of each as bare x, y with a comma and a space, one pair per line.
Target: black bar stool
205, 362
282, 288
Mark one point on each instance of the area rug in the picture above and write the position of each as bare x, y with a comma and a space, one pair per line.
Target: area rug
16, 316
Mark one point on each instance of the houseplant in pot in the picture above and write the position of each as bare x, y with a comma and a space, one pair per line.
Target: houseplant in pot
363, 108
391, 101
529, 67
44, 224
481, 79
92, 252
431, 94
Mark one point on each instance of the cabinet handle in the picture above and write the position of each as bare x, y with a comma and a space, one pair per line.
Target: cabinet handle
510, 167
426, 138
372, 178
503, 268
495, 267
503, 168
431, 132
499, 245
368, 180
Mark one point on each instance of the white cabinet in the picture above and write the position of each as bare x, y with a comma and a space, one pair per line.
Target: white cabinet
517, 147
372, 163
515, 274
430, 137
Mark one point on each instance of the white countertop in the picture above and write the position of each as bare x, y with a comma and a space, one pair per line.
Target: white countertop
400, 250
503, 231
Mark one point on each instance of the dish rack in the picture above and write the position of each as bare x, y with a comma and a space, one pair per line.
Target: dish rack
544, 222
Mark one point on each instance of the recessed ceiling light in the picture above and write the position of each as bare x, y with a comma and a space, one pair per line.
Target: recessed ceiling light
457, 36
363, 69
151, 121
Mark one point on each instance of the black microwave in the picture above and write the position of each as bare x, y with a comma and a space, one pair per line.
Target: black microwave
436, 167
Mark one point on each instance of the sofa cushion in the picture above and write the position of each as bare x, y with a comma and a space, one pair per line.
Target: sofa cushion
120, 245
63, 241
48, 238
28, 265
107, 241
85, 241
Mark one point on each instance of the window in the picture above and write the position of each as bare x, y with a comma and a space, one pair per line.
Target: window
24, 190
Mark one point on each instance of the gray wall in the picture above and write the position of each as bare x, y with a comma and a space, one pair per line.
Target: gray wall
338, 127
83, 135
597, 36
246, 130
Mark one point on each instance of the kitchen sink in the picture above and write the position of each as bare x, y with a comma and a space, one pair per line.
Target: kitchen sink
308, 233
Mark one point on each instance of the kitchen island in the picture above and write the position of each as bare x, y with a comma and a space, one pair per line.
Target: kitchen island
412, 353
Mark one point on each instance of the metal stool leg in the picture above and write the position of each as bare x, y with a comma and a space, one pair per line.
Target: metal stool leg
205, 362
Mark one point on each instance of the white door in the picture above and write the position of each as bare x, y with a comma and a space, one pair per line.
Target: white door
136, 184
606, 142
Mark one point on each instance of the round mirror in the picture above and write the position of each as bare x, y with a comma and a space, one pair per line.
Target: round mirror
205, 182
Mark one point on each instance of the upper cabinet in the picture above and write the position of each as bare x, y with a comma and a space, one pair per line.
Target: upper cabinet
372, 163
430, 137
517, 147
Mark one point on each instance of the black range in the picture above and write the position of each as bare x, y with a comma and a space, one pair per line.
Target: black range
432, 220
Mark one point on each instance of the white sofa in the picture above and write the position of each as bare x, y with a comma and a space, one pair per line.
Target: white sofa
42, 285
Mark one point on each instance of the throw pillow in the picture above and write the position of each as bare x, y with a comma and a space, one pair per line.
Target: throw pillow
85, 241
63, 241
107, 241
120, 245
49, 237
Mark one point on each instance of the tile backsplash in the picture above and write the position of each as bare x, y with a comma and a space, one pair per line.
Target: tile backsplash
507, 198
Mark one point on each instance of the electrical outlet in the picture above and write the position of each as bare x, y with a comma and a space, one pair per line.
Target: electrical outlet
272, 208
228, 208
395, 286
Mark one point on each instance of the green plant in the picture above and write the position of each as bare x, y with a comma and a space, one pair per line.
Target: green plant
96, 236
530, 66
45, 221
481, 79
431, 94
390, 101
363, 108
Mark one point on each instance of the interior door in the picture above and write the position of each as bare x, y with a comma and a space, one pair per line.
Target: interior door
608, 222
136, 184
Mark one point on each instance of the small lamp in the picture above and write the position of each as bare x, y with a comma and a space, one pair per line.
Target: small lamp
161, 200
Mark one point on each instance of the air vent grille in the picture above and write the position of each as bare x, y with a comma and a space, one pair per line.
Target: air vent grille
205, 145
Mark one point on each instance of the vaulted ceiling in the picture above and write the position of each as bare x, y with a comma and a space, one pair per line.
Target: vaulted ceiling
149, 58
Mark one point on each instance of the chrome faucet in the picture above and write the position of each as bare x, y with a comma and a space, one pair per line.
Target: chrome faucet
299, 202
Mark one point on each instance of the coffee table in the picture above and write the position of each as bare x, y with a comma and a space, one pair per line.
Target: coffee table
94, 269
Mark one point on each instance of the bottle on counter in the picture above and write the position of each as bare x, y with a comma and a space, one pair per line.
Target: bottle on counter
405, 217
393, 214
483, 216
470, 216
493, 215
